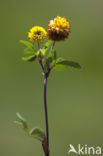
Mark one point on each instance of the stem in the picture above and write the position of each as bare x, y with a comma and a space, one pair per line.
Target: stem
53, 45
38, 45
42, 66
46, 113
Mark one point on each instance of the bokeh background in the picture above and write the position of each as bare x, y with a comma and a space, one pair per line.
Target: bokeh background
75, 97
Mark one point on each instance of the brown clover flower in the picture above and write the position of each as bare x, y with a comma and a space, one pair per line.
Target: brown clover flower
58, 29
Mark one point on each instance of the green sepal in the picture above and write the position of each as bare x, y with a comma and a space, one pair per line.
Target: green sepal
29, 58
37, 133
22, 123
28, 44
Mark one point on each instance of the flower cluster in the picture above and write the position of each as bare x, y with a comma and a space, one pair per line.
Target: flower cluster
58, 30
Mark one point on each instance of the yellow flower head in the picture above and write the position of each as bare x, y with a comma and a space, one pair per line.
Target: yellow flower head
37, 33
58, 29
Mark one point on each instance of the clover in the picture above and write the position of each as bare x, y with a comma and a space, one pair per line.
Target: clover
46, 55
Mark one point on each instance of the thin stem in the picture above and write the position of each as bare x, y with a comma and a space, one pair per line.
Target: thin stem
38, 45
42, 66
46, 113
53, 45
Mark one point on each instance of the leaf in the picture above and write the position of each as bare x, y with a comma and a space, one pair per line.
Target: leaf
51, 60
28, 44
59, 66
69, 63
52, 54
62, 64
29, 58
29, 51
37, 133
48, 43
22, 123
46, 47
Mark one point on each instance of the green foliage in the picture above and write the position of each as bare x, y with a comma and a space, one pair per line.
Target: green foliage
52, 55
60, 67
69, 63
29, 58
22, 123
29, 51
62, 64
28, 44
50, 60
37, 133
48, 43
46, 47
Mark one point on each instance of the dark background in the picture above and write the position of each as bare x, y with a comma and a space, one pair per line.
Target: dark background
75, 97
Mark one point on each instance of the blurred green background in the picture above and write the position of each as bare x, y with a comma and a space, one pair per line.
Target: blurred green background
75, 97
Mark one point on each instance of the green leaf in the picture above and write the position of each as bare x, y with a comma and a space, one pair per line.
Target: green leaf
29, 51
62, 64
59, 66
29, 58
22, 123
48, 43
70, 63
28, 44
51, 60
46, 47
52, 54
37, 133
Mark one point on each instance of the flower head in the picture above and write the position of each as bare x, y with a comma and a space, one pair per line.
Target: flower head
58, 29
37, 33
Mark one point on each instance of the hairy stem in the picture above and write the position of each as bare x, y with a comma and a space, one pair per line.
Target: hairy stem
46, 113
